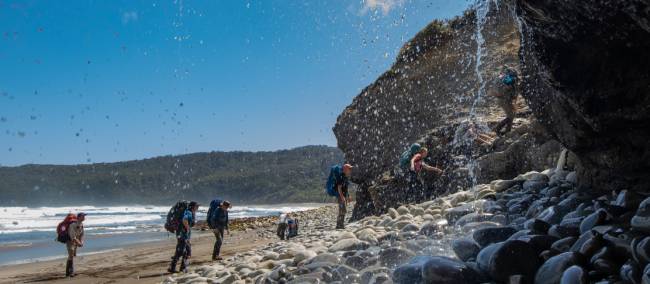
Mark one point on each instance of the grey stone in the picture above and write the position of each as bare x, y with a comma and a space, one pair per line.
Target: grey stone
486, 236
551, 271
465, 248
444, 270
393, 256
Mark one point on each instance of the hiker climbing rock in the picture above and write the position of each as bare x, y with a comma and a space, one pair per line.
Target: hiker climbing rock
218, 222
71, 232
337, 186
415, 192
505, 91
185, 221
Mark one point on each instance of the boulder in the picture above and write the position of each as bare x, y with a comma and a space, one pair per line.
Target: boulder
349, 244
512, 257
641, 220
584, 65
394, 256
444, 270
465, 248
551, 271
490, 235
410, 272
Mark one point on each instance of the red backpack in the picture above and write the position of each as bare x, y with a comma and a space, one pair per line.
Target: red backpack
62, 234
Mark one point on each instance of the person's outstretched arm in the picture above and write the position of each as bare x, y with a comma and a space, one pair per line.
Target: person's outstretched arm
431, 169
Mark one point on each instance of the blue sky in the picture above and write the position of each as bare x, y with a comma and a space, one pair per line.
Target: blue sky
102, 81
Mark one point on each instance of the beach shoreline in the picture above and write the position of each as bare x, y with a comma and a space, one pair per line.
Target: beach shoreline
146, 262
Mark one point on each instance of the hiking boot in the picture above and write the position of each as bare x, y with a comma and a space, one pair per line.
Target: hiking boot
172, 267
217, 258
69, 269
184, 265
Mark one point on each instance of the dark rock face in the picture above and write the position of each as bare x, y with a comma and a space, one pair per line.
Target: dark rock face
585, 76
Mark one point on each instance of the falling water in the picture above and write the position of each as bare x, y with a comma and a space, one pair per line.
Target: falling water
482, 7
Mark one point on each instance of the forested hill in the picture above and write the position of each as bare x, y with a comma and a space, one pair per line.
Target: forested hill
295, 175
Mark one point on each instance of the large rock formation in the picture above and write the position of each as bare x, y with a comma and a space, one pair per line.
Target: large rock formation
586, 67
432, 83
428, 92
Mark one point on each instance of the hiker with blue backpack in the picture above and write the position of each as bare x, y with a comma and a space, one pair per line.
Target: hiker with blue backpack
506, 93
410, 165
184, 221
337, 186
217, 220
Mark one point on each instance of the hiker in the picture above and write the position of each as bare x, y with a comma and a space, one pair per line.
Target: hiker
218, 222
415, 189
337, 186
282, 225
71, 230
506, 93
183, 235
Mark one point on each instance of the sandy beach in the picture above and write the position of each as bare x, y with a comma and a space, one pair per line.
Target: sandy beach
144, 263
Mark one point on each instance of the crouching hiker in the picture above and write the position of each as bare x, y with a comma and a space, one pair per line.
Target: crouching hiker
337, 186
218, 222
183, 235
71, 232
411, 164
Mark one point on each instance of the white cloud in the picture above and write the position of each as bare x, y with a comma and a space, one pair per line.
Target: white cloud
129, 16
384, 5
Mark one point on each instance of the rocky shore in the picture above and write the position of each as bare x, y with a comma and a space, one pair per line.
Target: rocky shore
537, 227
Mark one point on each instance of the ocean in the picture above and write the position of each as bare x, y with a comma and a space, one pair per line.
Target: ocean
28, 234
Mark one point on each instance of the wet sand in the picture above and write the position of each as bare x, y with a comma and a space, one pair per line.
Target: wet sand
142, 263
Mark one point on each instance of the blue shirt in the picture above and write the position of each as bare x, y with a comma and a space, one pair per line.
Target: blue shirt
181, 233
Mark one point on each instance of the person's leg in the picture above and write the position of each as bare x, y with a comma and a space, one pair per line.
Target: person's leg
413, 189
340, 220
69, 265
215, 253
187, 253
218, 234
180, 250
281, 229
510, 109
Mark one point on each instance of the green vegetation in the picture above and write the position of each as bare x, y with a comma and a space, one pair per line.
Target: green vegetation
296, 175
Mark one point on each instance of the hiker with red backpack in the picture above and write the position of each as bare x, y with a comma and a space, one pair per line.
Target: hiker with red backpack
185, 221
71, 231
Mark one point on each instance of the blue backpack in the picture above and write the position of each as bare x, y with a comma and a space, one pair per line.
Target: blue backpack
212, 212
510, 77
405, 158
336, 174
